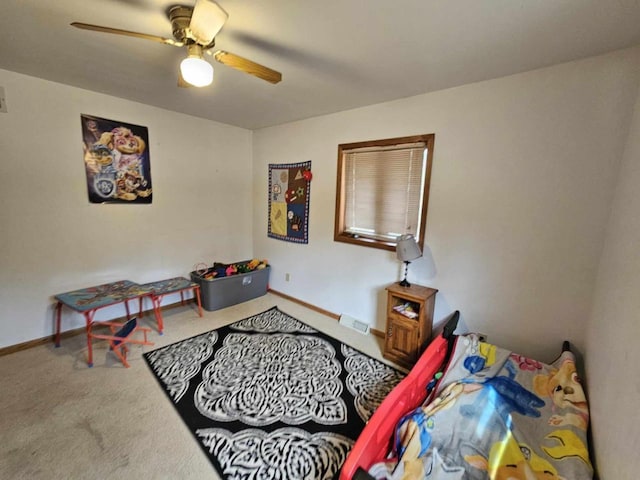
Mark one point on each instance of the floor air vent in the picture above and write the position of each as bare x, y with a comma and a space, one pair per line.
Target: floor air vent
354, 323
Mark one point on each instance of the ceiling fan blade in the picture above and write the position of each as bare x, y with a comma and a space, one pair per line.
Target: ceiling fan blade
206, 21
247, 66
182, 83
117, 31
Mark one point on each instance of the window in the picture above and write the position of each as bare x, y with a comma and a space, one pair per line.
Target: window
383, 190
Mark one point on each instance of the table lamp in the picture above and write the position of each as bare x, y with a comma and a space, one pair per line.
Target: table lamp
407, 249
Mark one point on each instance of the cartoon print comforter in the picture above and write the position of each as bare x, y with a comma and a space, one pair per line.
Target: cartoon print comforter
498, 415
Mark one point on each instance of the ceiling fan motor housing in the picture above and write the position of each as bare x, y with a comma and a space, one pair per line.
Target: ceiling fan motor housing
180, 18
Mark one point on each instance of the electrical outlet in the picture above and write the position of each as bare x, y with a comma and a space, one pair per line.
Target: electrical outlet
287, 277
3, 102
482, 337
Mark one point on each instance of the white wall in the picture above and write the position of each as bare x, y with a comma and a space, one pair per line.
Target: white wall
53, 240
523, 177
613, 331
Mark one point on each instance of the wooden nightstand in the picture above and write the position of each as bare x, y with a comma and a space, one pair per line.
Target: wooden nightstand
408, 329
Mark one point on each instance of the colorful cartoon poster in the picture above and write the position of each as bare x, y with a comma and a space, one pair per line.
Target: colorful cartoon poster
116, 160
289, 201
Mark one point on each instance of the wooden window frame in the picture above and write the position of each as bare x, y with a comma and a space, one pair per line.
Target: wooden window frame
339, 231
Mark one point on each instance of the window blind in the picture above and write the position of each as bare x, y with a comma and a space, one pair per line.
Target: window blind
383, 190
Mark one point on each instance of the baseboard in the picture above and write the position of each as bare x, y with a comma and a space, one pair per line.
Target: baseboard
377, 333
81, 330
335, 316
76, 331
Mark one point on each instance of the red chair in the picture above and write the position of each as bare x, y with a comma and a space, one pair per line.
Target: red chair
121, 335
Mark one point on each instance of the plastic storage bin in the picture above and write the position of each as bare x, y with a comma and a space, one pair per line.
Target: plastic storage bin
223, 292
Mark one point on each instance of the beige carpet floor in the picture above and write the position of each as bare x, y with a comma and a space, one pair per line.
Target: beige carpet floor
62, 420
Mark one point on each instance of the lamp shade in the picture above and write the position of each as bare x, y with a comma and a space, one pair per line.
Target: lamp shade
407, 248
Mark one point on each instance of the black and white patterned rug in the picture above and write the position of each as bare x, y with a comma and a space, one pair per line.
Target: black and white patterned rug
269, 397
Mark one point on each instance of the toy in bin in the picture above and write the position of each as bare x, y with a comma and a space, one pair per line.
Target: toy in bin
225, 284
219, 270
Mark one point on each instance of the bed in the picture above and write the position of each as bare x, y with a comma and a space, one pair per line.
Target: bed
472, 410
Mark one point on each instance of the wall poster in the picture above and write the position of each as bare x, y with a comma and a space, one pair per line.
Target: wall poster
289, 201
117, 162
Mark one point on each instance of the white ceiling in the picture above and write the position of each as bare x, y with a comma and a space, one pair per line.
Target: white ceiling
333, 54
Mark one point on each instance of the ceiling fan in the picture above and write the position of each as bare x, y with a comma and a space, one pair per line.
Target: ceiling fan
195, 28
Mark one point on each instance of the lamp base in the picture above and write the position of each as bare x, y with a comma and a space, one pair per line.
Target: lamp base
404, 282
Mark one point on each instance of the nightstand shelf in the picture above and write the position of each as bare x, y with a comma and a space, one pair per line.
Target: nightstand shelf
409, 322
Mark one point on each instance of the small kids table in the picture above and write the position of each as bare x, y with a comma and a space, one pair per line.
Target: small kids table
157, 290
88, 301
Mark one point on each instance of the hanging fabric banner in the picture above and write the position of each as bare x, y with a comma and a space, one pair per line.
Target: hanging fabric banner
289, 192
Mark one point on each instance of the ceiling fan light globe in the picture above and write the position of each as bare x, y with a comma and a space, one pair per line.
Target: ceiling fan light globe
196, 71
